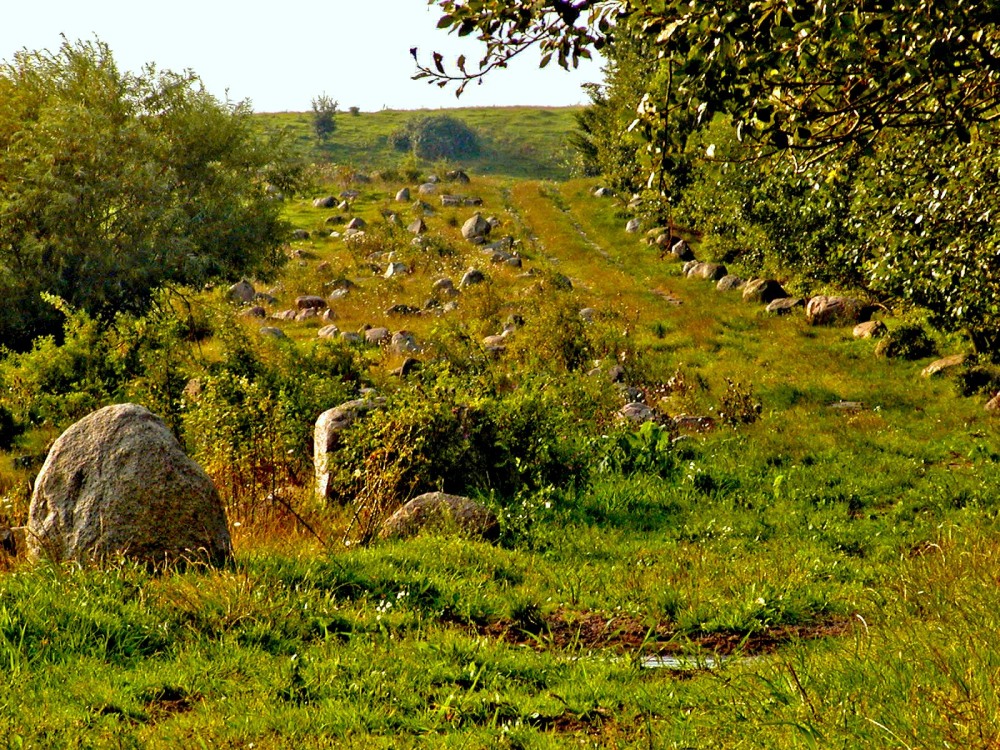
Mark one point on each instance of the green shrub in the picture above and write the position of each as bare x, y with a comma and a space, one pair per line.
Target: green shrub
908, 341
436, 137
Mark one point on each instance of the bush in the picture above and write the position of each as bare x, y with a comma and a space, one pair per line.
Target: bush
436, 137
908, 341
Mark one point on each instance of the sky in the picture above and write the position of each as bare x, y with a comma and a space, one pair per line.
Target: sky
282, 55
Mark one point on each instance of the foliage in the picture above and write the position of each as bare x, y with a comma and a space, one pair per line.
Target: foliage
114, 184
324, 117
436, 137
739, 405
908, 341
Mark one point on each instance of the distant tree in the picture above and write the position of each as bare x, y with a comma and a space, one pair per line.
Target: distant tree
436, 137
324, 117
114, 184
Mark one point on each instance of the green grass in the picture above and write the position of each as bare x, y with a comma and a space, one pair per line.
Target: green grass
847, 558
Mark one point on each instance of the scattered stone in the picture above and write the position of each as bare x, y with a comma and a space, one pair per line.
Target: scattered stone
335, 219
438, 512
300, 234
472, 277
272, 333
403, 196
763, 291
708, 271
729, 282
357, 224
327, 201
452, 201
560, 282
514, 261
993, 404
633, 226
688, 265
616, 374
457, 175
494, 222
328, 332
338, 294
476, 226
445, 286
847, 406
349, 195
117, 483
404, 342
417, 227
588, 314
285, 315
940, 366
449, 306
344, 206
350, 337
410, 364
306, 314
428, 188
785, 305
603, 192
472, 201
265, 298
635, 411
396, 269
422, 208
326, 438
433, 179
308, 301
681, 250
401, 309
254, 312
872, 329
376, 336
329, 314
242, 291
824, 310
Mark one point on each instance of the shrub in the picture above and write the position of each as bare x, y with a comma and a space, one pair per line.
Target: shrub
908, 341
436, 137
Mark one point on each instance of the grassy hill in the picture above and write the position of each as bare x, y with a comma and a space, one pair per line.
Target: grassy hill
526, 142
815, 571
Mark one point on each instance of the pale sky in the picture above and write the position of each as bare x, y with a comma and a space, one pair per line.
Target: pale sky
281, 55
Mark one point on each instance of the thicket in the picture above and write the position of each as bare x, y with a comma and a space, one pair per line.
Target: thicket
113, 185
436, 137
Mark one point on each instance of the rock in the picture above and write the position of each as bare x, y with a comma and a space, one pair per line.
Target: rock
254, 312
494, 222
514, 261
272, 333
402, 309
444, 286
472, 276
328, 315
328, 332
117, 483
300, 234
310, 301
433, 179
850, 407
708, 271
451, 201
824, 310
940, 366
560, 282
404, 342
729, 282
395, 269
763, 291
588, 314
326, 438
603, 192
457, 175
681, 251
306, 314
785, 305
242, 291
417, 227
284, 315
410, 364
338, 294
472, 201
350, 337
376, 335
993, 404
357, 224
428, 188
495, 340
327, 201
265, 298
476, 226
334, 220
437, 511
403, 196
872, 329
635, 411
349, 195
633, 226
425, 209
686, 423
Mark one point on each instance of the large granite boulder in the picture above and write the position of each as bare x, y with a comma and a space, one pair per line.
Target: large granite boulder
326, 437
476, 227
117, 483
763, 291
437, 511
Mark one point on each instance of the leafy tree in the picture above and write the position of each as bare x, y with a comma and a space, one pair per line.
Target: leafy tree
324, 118
436, 137
114, 184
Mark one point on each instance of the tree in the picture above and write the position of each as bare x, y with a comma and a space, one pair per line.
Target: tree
114, 184
324, 117
436, 137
